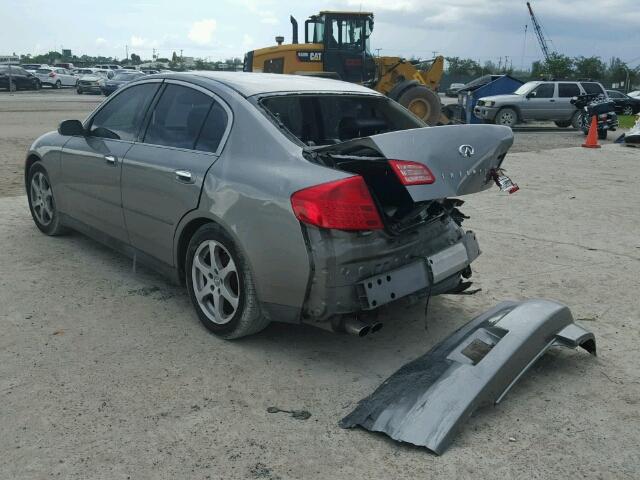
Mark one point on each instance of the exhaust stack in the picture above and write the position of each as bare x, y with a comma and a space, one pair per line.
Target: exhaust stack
294, 29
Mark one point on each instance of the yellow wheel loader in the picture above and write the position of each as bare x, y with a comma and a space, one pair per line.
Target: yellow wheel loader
336, 45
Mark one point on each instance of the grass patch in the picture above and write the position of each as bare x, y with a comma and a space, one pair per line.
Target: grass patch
627, 121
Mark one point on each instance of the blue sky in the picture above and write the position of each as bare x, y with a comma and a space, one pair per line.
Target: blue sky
478, 29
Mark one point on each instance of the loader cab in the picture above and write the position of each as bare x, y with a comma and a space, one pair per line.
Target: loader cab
346, 47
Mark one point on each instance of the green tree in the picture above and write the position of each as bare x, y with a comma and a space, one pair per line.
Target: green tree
135, 59
559, 66
590, 67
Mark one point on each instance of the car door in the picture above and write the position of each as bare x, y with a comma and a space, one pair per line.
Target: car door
69, 78
540, 102
163, 175
92, 164
619, 100
564, 108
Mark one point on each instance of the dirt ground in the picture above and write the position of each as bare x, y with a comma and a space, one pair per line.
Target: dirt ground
107, 373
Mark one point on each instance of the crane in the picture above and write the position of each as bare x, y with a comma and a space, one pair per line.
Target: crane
541, 40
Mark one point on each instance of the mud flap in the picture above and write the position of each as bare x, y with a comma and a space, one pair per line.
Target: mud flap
427, 400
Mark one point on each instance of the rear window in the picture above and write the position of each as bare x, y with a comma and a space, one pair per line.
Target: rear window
328, 119
43, 70
592, 88
568, 90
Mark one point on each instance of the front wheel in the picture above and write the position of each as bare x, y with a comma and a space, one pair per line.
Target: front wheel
507, 117
41, 201
627, 110
221, 286
58, 85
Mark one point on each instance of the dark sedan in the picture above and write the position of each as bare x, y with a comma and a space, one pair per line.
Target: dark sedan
625, 104
17, 79
121, 78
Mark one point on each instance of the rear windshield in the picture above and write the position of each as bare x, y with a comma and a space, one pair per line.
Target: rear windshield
43, 70
592, 88
327, 119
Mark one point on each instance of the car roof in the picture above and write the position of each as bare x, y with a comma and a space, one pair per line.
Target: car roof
249, 83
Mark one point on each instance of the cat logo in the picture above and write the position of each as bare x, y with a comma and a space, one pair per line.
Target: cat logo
309, 56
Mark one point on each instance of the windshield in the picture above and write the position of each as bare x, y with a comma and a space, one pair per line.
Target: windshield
327, 119
127, 75
526, 88
43, 70
348, 34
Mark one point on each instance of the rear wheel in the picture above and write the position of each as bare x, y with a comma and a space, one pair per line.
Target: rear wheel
576, 120
563, 123
627, 110
41, 201
38, 85
423, 103
221, 286
507, 117
58, 84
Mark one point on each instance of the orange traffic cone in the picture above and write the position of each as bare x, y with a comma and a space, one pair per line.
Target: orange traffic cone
592, 137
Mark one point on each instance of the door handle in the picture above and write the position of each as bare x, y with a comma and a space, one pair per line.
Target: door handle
110, 159
184, 176
552, 100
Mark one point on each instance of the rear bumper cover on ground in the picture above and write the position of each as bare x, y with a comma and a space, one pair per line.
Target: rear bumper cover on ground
427, 400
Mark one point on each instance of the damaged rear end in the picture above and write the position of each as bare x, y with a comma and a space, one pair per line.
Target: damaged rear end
393, 229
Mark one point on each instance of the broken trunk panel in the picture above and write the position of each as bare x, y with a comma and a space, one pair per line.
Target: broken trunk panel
426, 402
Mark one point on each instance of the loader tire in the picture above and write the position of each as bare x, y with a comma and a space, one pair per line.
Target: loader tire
423, 103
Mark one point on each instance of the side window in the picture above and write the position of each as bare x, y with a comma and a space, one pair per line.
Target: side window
568, 90
592, 88
613, 94
213, 129
178, 117
273, 65
123, 115
545, 90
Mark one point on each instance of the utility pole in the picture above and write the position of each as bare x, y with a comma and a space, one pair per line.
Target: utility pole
126, 51
378, 52
153, 55
180, 55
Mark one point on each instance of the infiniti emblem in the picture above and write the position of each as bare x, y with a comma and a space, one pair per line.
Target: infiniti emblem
466, 150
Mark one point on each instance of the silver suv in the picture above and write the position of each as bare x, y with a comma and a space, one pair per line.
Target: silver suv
540, 100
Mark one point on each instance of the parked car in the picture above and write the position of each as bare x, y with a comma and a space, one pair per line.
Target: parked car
84, 71
625, 104
67, 65
120, 78
223, 181
108, 67
94, 82
634, 94
538, 100
452, 91
17, 79
56, 77
32, 67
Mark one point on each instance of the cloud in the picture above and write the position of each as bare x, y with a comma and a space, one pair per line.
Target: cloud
100, 42
138, 42
247, 40
202, 31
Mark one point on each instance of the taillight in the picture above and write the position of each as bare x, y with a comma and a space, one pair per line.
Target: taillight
412, 173
52, 74
342, 205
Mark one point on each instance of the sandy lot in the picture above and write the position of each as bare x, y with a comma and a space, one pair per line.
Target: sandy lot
107, 373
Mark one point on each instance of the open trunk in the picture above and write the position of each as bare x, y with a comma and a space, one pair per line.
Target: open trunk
461, 158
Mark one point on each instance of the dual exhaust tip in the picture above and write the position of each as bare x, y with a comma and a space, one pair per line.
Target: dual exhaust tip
354, 326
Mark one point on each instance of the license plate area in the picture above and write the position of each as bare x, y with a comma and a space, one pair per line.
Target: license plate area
389, 286
447, 262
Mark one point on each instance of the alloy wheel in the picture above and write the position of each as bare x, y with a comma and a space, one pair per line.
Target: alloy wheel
627, 110
42, 199
215, 282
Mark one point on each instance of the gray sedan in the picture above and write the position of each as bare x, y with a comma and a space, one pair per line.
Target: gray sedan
272, 197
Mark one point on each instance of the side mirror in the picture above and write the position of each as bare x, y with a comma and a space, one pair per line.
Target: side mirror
531, 95
71, 128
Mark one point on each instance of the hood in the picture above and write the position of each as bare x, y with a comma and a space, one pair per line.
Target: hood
461, 157
511, 97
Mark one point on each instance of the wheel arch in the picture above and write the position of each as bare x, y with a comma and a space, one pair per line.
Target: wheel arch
31, 159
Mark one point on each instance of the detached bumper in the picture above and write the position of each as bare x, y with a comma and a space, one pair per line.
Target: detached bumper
427, 400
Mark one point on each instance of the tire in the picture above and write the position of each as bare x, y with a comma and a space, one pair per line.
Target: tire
211, 251
42, 204
79, 90
576, 120
38, 85
57, 85
423, 103
563, 123
627, 110
12, 87
507, 117
602, 134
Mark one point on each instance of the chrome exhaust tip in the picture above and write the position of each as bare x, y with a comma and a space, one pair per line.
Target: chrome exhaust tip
353, 326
